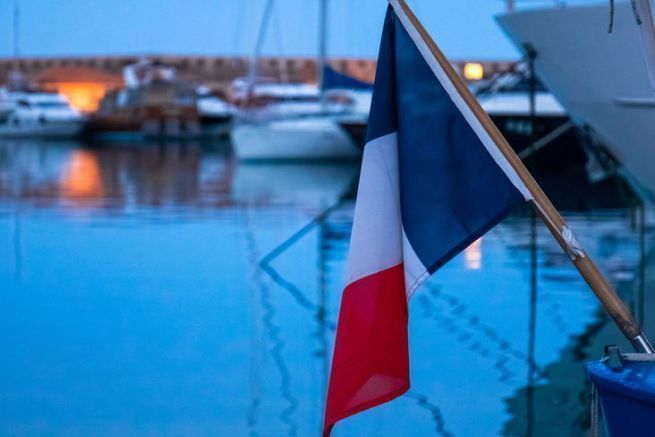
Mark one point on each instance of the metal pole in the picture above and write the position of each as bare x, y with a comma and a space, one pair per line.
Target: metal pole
16, 30
322, 45
532, 328
510, 5
540, 202
261, 36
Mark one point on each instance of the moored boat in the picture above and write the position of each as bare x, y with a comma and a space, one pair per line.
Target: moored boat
160, 110
154, 105
601, 79
28, 114
625, 384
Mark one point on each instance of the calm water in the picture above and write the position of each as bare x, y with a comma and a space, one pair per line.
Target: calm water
134, 300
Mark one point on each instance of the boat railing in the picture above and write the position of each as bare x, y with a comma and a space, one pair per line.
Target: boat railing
513, 5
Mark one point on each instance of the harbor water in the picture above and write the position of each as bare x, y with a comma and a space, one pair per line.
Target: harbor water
170, 290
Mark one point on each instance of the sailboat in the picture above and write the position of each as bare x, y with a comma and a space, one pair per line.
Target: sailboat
297, 122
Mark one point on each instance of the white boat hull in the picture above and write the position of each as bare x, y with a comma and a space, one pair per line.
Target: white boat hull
601, 79
308, 138
27, 114
64, 129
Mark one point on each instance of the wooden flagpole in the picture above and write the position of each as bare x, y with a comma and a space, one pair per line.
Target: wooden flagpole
544, 208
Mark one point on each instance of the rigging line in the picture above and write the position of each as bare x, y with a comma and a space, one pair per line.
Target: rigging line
259, 43
635, 11
283, 71
610, 27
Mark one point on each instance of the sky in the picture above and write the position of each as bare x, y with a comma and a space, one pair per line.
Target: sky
465, 29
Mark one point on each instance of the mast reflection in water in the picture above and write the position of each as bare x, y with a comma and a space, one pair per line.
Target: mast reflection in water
134, 299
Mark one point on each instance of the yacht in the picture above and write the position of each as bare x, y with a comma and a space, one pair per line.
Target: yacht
600, 78
37, 114
154, 104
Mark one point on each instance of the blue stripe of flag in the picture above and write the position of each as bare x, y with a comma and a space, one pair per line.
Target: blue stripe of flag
451, 189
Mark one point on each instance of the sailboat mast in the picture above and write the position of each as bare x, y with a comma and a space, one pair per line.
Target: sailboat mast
259, 44
322, 43
16, 30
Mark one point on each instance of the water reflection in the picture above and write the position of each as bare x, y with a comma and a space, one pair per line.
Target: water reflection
18, 255
82, 179
273, 335
170, 290
65, 175
473, 255
156, 176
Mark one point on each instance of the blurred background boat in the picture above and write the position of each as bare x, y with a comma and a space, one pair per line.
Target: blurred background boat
600, 78
26, 112
293, 122
155, 105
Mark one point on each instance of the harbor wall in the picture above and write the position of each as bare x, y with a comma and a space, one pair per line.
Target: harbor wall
84, 80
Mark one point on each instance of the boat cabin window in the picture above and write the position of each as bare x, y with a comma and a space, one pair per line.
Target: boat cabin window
52, 105
23, 103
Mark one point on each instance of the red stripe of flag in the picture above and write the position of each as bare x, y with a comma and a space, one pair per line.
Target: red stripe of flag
371, 356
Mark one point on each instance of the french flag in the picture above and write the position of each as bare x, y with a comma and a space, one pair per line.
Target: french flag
432, 182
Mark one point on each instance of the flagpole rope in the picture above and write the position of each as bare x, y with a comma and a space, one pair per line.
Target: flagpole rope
635, 12
611, 24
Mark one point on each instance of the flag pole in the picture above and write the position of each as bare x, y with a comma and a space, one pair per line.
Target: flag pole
540, 202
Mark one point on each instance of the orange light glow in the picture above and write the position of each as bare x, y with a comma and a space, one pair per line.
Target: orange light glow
82, 178
473, 255
84, 96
